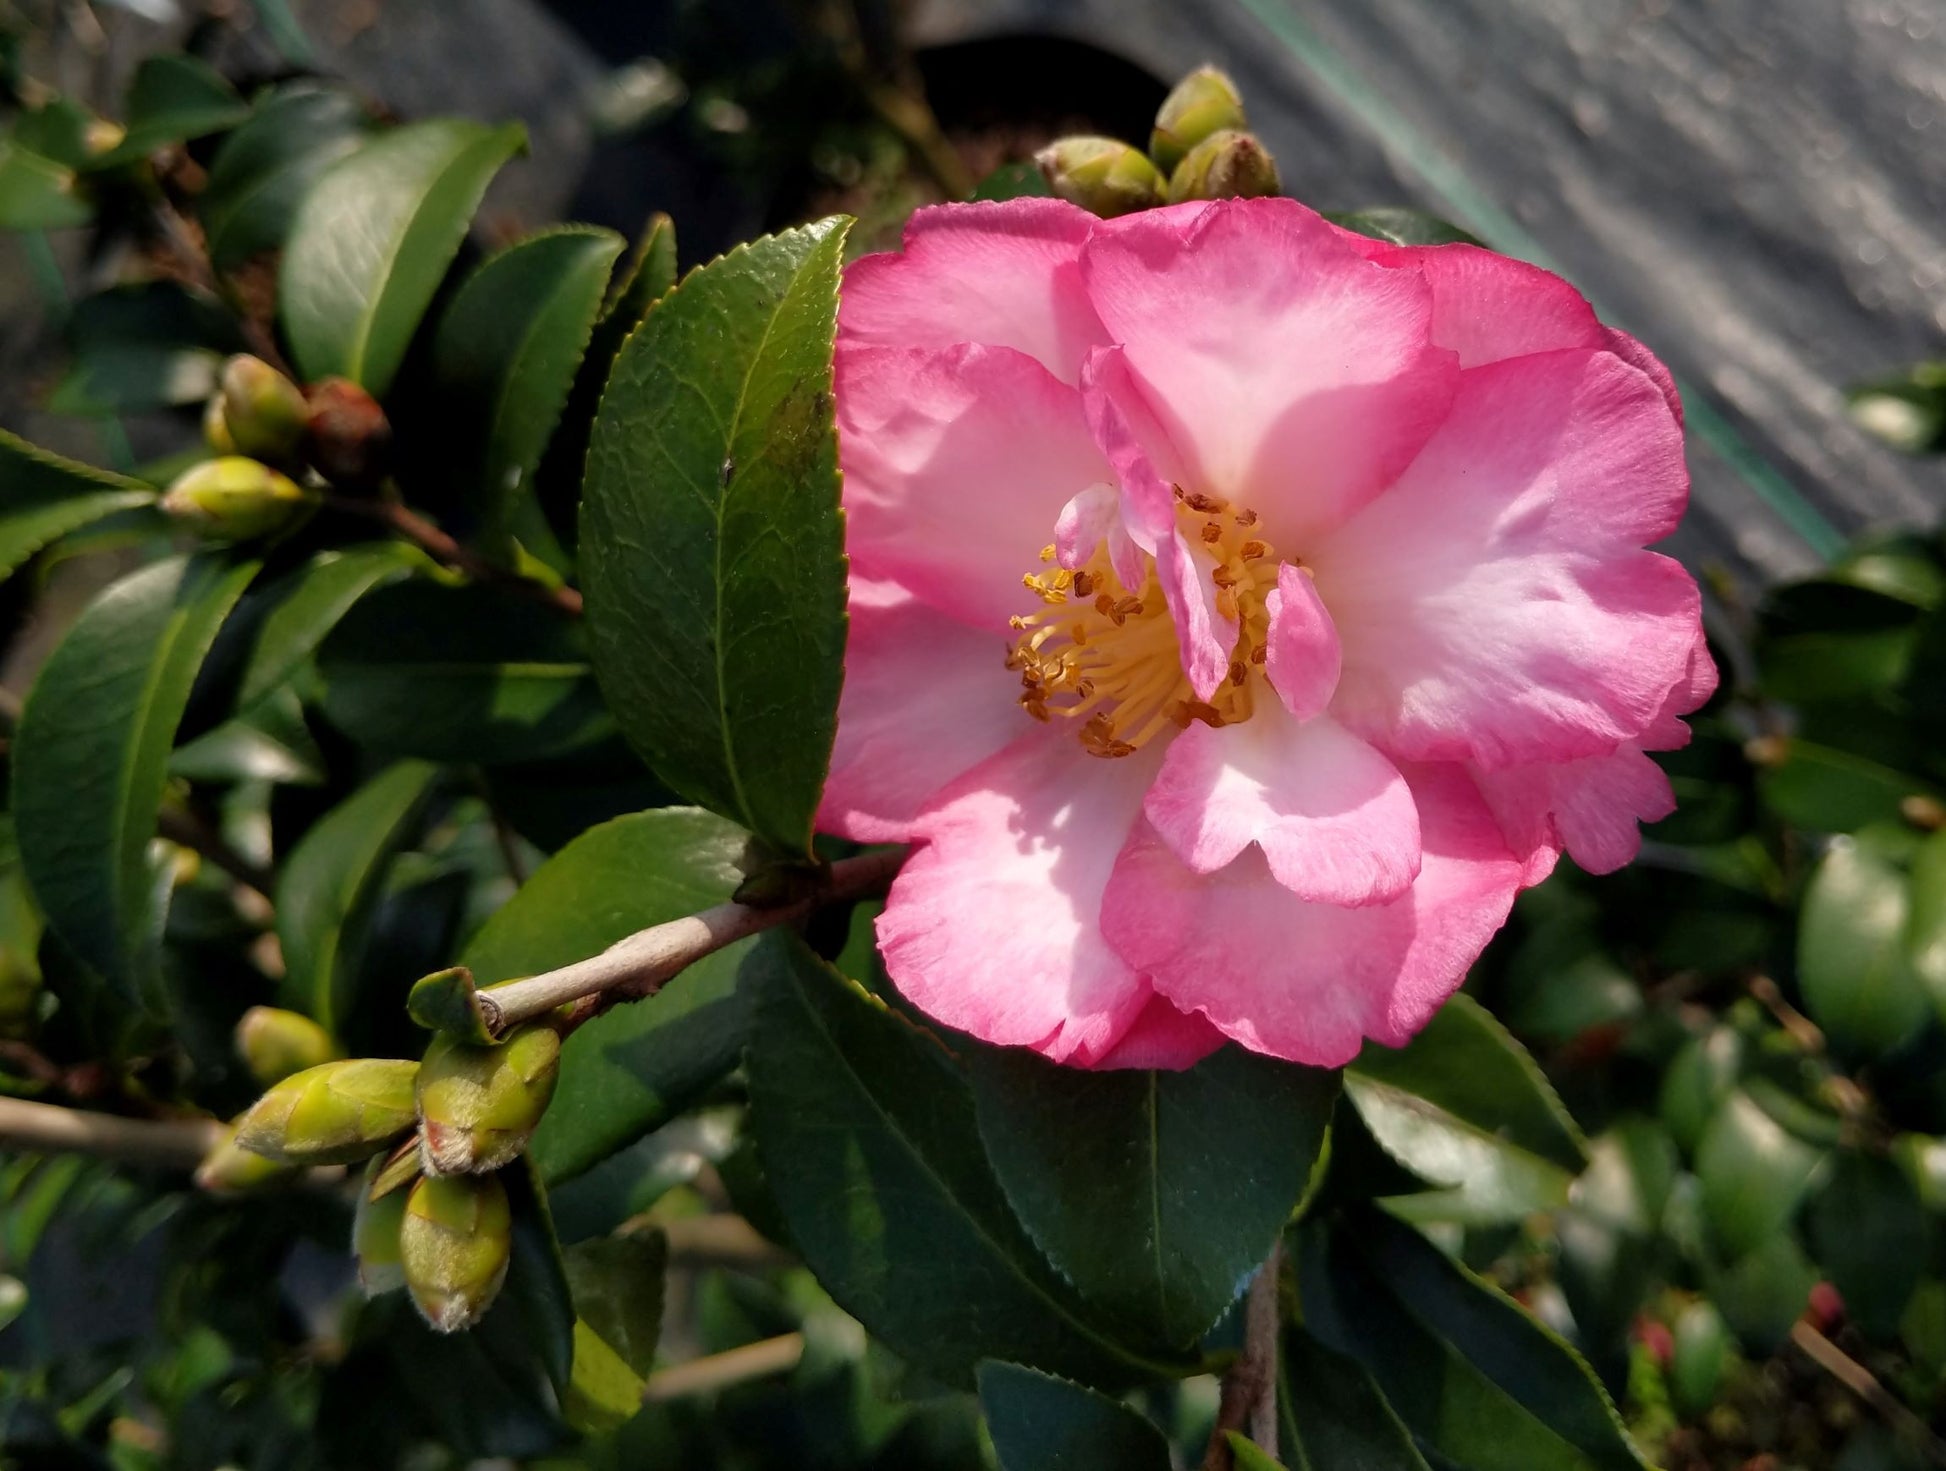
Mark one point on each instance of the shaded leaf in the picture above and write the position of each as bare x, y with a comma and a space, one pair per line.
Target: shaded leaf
1754, 1174
307, 604
137, 348
173, 98
1333, 1417
1043, 1423
37, 193
1014, 181
1872, 1238
263, 170
43, 497
1401, 226
617, 1284
1853, 964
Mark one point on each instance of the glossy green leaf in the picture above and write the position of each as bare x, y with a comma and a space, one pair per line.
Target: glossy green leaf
1469, 1371
332, 879
1872, 1237
372, 241
712, 543
43, 497
1155, 1193
1014, 181
869, 1142
636, 1066
1853, 964
1754, 1174
1702, 1352
505, 357
1466, 1109
473, 673
37, 193
617, 1284
1043, 1423
90, 760
1823, 789
1401, 226
173, 98
1925, 930
309, 602
262, 172
1333, 1417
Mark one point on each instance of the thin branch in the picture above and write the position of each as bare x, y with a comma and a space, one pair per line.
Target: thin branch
639, 965
192, 258
1863, 1383
1249, 1397
176, 1144
720, 1241
722, 1371
184, 828
408, 524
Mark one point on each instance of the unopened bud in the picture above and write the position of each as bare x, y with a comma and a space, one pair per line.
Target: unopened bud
1204, 102
454, 1244
263, 410
478, 1106
332, 1114
275, 1043
347, 437
216, 429
234, 499
1103, 175
1225, 165
230, 1169
375, 1227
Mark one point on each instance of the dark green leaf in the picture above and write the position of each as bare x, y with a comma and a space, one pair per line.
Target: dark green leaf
1042, 1423
59, 130
1465, 1108
505, 356
1402, 226
1763, 1294
635, 1067
1925, 931
869, 1142
309, 602
473, 673
1754, 1174
138, 348
1014, 181
713, 547
1827, 790
90, 760
1853, 965
173, 98
1333, 1417
1825, 639
44, 497
1703, 1350
1872, 1237
617, 1282
538, 1296
1472, 1374
1154, 1193
38, 194
1907, 411
372, 241
331, 881
264, 169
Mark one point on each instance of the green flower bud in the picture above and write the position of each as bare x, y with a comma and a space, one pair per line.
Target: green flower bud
263, 410
230, 1169
275, 1044
454, 1245
1225, 165
234, 499
375, 1229
347, 437
1104, 175
478, 1106
332, 1114
216, 429
1204, 102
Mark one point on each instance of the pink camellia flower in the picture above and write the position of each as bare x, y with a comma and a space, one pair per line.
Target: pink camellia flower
1243, 611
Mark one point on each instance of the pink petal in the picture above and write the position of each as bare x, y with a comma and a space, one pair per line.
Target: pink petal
993, 924
1588, 808
1491, 605
1303, 657
1294, 377
1333, 817
1487, 306
957, 464
1308, 982
1636, 355
1092, 517
1001, 274
1162, 1037
1205, 635
925, 699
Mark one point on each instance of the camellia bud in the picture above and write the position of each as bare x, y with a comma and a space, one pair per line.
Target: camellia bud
375, 1230
230, 1169
347, 438
1103, 175
478, 1106
454, 1244
235, 499
1204, 102
277, 1043
1225, 165
263, 411
216, 429
332, 1114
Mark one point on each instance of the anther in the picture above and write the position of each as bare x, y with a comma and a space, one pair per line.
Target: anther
1212, 533
1245, 518
1105, 605
1203, 503
1239, 672
1259, 653
1083, 584
1224, 577
1254, 549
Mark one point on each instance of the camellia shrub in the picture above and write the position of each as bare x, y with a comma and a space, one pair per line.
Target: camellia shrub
869, 861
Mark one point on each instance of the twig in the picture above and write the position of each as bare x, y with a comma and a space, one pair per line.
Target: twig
183, 827
1863, 1383
177, 1144
721, 1371
639, 965
720, 1241
192, 258
1249, 1396
404, 522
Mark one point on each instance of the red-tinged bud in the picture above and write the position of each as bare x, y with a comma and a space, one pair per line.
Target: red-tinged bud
479, 1105
1225, 165
1825, 1308
347, 439
1102, 175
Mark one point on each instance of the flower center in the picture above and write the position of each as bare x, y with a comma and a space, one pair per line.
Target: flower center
1106, 655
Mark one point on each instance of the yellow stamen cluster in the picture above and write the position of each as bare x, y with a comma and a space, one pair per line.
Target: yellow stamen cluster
1107, 656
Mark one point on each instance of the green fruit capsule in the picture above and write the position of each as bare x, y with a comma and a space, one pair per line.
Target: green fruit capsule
1103, 175
263, 411
275, 1043
1225, 165
375, 1232
478, 1106
235, 499
332, 1114
230, 1169
454, 1245
1204, 102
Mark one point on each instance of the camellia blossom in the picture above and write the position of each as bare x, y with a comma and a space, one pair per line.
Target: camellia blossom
1243, 612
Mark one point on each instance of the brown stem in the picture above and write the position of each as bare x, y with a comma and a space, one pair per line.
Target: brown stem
1863, 1383
183, 827
177, 1144
720, 1241
193, 260
1249, 1395
720, 1371
408, 524
639, 965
